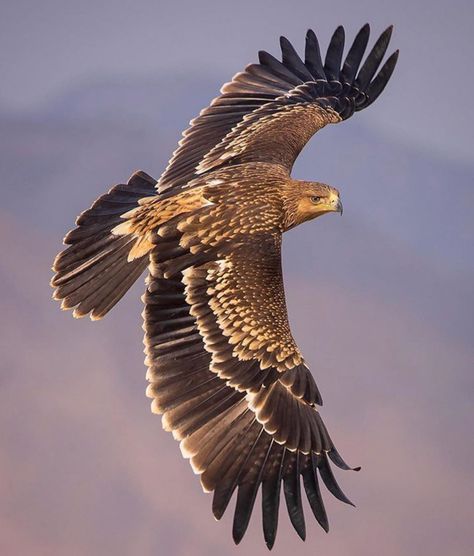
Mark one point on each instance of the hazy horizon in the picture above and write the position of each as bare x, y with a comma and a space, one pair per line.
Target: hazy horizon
380, 300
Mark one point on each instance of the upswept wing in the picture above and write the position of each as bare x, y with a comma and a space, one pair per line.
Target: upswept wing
232, 385
269, 111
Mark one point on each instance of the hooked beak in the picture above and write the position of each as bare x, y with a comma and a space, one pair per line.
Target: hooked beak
334, 202
336, 205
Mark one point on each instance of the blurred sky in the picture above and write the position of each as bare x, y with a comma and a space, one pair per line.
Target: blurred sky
380, 301
46, 46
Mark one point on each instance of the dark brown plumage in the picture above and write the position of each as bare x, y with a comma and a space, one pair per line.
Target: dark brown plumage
224, 369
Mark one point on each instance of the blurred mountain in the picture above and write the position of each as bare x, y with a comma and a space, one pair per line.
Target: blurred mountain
380, 301
156, 103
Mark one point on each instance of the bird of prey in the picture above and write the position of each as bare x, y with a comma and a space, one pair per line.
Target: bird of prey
224, 370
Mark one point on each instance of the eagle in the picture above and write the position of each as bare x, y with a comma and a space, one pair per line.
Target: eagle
224, 370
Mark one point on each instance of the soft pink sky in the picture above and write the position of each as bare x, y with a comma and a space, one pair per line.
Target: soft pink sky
381, 300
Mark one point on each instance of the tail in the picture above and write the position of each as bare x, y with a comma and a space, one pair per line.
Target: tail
95, 272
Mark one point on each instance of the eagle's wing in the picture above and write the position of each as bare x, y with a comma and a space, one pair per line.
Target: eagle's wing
269, 111
232, 386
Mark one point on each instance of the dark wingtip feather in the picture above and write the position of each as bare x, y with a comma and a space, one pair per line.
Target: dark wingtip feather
373, 60
243, 509
330, 481
237, 533
271, 502
270, 544
292, 61
241, 515
261, 55
221, 500
381, 79
355, 54
336, 458
278, 68
311, 485
247, 491
217, 513
292, 491
313, 59
267, 59
383, 76
387, 34
332, 62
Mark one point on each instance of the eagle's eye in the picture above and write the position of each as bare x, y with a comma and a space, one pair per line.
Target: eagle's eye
315, 199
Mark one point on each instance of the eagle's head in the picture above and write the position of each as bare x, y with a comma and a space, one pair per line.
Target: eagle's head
310, 200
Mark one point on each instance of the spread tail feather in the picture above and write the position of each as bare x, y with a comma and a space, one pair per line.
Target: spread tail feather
96, 271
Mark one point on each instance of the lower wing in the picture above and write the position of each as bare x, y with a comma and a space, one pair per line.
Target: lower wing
244, 422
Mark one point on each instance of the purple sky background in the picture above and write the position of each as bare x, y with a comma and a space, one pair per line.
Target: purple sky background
381, 300
50, 46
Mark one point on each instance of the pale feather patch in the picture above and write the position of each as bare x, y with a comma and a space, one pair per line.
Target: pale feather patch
122, 229
140, 248
154, 407
149, 391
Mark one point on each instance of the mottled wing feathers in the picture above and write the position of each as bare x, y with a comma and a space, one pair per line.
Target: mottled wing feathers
270, 110
283, 404
242, 427
247, 299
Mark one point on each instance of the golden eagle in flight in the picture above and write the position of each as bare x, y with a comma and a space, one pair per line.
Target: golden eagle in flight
223, 367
